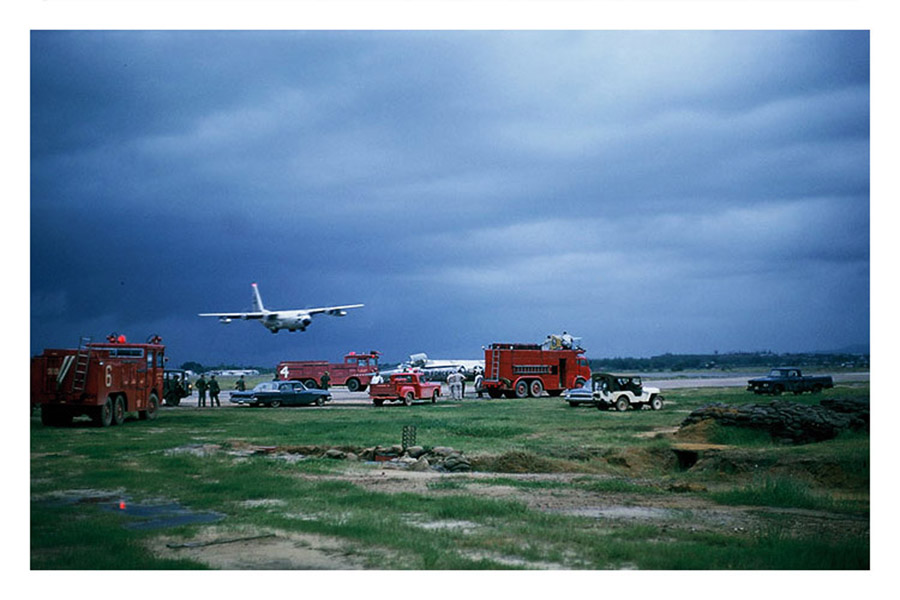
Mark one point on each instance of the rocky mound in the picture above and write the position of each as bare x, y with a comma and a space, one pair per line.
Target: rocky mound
789, 422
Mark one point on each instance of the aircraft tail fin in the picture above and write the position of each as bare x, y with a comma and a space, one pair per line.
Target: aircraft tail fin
257, 300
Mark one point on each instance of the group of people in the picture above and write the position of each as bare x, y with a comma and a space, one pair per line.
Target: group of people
211, 386
456, 381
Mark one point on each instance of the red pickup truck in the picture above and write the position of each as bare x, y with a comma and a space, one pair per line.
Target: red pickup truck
407, 386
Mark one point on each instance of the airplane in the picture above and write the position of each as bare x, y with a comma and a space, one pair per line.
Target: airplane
275, 320
438, 369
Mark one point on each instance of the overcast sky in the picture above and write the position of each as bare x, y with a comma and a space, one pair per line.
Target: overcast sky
650, 192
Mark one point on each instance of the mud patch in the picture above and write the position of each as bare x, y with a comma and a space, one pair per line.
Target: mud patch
514, 561
621, 512
269, 550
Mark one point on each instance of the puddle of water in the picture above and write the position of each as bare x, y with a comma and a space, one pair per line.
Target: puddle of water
160, 516
142, 516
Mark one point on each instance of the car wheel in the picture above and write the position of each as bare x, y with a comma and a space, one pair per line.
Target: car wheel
622, 404
408, 398
656, 403
353, 385
522, 389
275, 403
320, 401
119, 410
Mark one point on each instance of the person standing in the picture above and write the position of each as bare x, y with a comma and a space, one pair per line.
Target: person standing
453, 380
240, 385
213, 392
201, 391
324, 380
479, 380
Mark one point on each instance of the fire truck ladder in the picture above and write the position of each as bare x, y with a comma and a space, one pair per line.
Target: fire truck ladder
82, 360
495, 364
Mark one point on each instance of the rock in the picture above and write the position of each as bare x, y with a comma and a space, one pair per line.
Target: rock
421, 464
335, 453
415, 451
789, 422
351, 456
442, 450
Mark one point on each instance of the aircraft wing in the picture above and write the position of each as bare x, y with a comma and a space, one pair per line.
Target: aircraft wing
250, 315
332, 310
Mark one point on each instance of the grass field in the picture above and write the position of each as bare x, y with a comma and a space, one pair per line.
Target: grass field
553, 487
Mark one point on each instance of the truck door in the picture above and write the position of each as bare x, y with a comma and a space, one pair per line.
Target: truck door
562, 373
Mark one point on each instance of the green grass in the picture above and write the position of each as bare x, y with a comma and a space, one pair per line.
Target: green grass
782, 492
153, 460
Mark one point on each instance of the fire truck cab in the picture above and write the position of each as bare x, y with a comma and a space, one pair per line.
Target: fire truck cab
355, 372
101, 380
521, 370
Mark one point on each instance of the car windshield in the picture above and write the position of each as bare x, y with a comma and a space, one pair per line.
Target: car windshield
266, 385
777, 373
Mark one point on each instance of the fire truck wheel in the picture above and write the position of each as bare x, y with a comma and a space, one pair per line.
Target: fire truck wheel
310, 383
104, 415
434, 396
536, 388
495, 393
119, 410
408, 398
378, 402
353, 385
152, 408
522, 389
580, 381
622, 404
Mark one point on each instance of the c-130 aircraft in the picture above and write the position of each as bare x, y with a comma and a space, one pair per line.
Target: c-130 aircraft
275, 320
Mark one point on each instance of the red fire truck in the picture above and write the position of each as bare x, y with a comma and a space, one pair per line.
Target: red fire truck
101, 380
521, 370
355, 372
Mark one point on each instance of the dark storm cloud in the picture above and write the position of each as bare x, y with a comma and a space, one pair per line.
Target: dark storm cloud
651, 191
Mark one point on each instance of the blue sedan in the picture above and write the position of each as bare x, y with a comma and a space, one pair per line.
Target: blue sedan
281, 393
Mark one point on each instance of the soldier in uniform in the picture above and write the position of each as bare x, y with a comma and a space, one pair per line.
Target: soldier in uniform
201, 391
240, 385
213, 391
324, 380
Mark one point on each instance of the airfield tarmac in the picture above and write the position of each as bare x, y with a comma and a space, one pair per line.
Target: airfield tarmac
345, 399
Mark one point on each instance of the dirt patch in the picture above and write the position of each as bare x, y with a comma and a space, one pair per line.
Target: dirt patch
283, 550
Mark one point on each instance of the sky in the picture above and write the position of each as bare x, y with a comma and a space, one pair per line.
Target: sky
647, 191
